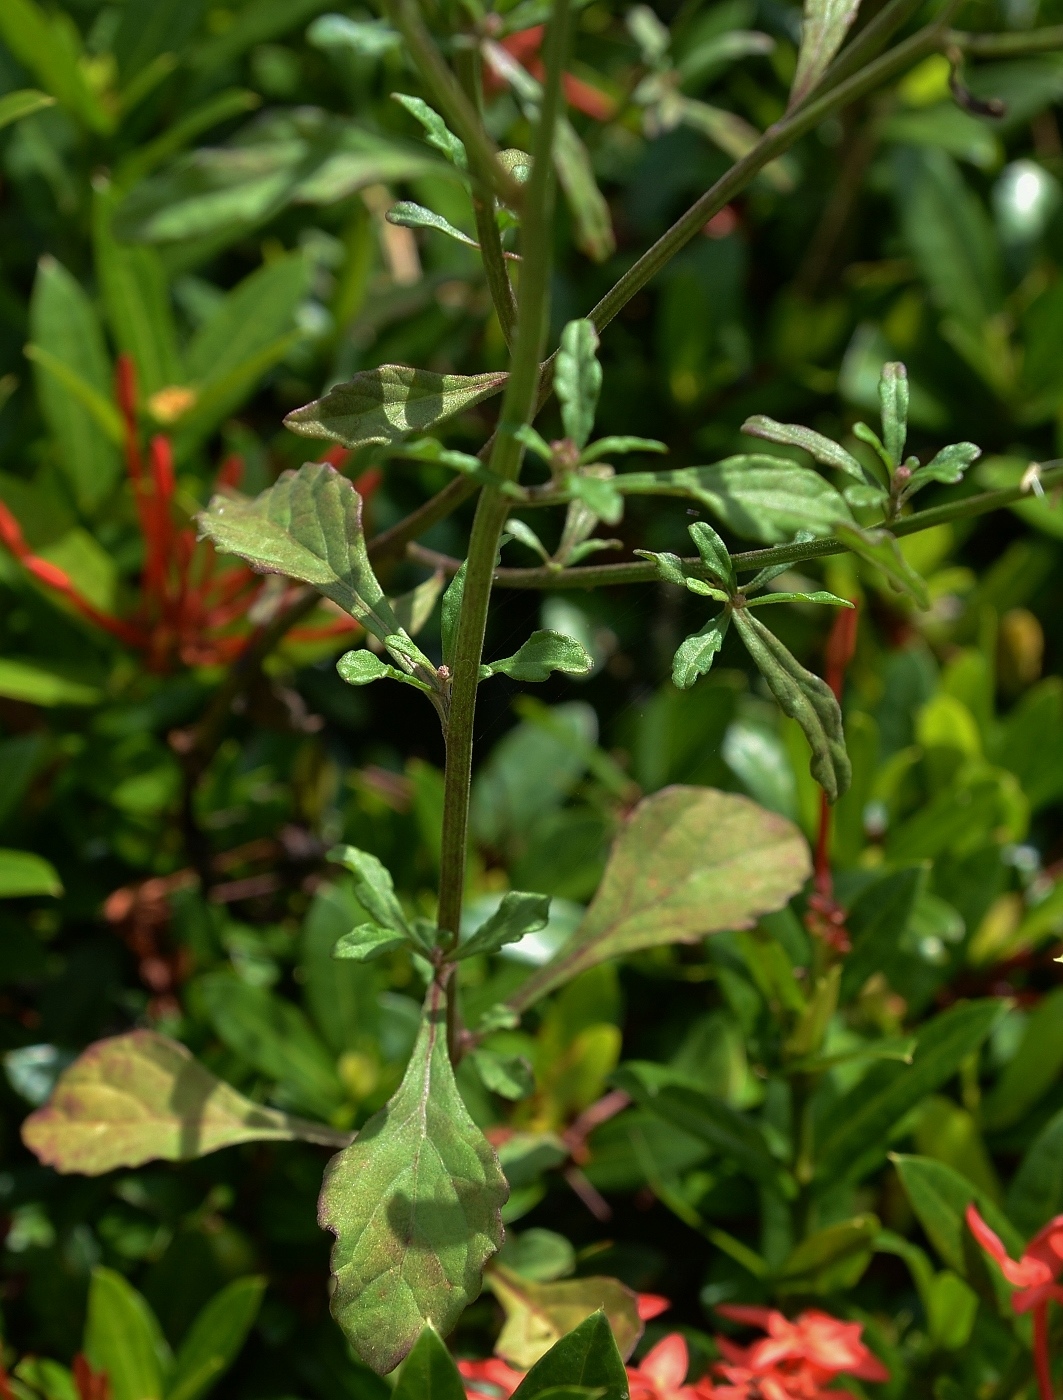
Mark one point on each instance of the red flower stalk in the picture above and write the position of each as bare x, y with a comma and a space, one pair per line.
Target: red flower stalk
90, 1384
6, 1393
188, 612
1035, 1276
525, 46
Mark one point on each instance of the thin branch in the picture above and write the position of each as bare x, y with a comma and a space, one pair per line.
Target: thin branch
1014, 45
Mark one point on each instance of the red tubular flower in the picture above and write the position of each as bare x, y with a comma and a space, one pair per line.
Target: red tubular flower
492, 1379
797, 1359
1034, 1275
662, 1373
525, 46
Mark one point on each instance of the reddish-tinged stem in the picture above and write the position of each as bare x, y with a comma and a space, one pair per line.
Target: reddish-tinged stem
1041, 1360
841, 644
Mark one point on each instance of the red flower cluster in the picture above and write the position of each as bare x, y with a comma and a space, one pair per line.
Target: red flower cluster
1035, 1275
189, 611
796, 1361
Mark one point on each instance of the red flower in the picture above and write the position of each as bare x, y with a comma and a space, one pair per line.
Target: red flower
486, 1380
796, 1360
1035, 1276
662, 1373
90, 1384
524, 47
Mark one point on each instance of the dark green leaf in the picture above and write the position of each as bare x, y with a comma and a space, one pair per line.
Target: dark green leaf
822, 449
23, 103
368, 941
695, 656
713, 551
578, 380
541, 654
409, 215
214, 1340
880, 548
1034, 1067
940, 1196
893, 396
138, 1097
437, 133
1036, 1191
49, 45
429, 1373
830, 1260
518, 914
373, 887
509, 1076
855, 1136
805, 698
415, 1205
587, 1356
449, 614
385, 404
123, 1338
689, 861
308, 526
541, 1255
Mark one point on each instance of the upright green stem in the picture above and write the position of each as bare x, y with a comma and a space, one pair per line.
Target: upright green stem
493, 506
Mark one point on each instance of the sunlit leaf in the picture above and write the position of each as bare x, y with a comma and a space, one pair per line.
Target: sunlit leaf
124, 1340
587, 1356
541, 654
406, 214
538, 1315
893, 395
415, 1205
22, 103
368, 941
578, 379
822, 449
517, 914
695, 656
437, 133
429, 1372
823, 31
24, 873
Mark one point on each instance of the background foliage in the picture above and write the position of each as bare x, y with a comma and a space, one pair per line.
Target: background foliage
207, 197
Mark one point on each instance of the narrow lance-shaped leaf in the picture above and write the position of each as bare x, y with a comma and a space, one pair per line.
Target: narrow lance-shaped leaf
415, 1205
587, 1356
713, 551
368, 941
437, 133
805, 698
123, 1338
140, 1097
308, 526
384, 404
825, 26
893, 395
406, 214
23, 103
578, 379
823, 449
213, 1341
429, 1372
690, 861
695, 656
880, 548
541, 654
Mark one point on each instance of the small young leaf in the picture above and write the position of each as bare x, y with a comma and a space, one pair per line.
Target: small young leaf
688, 862
141, 1097
516, 915
406, 214
586, 1356
819, 596
578, 379
415, 1204
713, 551
822, 449
868, 435
805, 698
611, 446
450, 612
825, 26
525, 535
948, 466
865, 496
587, 547
598, 494
696, 655
362, 667
670, 568
368, 941
542, 653
370, 38
893, 395
508, 1076
880, 548
308, 526
214, 1340
373, 887
534, 442
538, 1315
432, 450
438, 134
384, 404
429, 1372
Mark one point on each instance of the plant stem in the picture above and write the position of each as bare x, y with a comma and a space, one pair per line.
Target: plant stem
1007, 45
447, 93
1041, 1361
492, 507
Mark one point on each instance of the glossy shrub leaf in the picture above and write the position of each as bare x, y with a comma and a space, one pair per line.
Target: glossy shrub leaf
415, 1205
64, 326
516, 915
947, 466
123, 1338
689, 861
695, 656
383, 405
309, 527
406, 214
805, 698
586, 1356
538, 1315
39, 685
429, 1372
880, 548
214, 1340
823, 449
832, 1259
823, 30
24, 873
22, 103
1033, 1069
1036, 1191
140, 1097
541, 654
893, 395
578, 380
855, 1133
939, 1195
368, 941
437, 133
373, 887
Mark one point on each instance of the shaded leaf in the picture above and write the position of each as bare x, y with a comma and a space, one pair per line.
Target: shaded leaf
541, 654
437, 133
893, 396
689, 861
939, 1195
509, 1076
832, 1259
384, 404
610, 446
23, 103
309, 527
450, 613
1036, 1191
578, 379
594, 487
429, 1372
415, 1205
587, 1356
49, 45
406, 214
538, 1315
880, 548
695, 656
24, 873
139, 1097
368, 941
373, 887
713, 551
368, 38
1033, 1069
123, 1338
517, 914
38, 685
823, 31
805, 698
214, 1340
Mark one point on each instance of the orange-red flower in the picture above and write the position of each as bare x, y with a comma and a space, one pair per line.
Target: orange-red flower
796, 1360
492, 1379
662, 1373
525, 46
